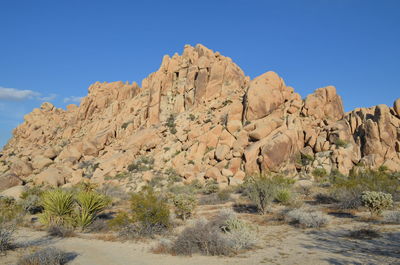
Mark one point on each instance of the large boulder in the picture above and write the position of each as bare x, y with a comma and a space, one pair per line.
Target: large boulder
324, 103
14, 192
265, 94
8, 180
51, 176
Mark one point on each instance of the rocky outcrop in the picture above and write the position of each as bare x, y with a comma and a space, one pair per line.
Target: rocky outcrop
198, 115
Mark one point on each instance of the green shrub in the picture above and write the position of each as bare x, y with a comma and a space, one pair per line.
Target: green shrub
47, 256
90, 204
341, 143
122, 219
376, 202
149, 208
284, 196
143, 163
347, 189
171, 124
58, 208
319, 173
211, 186
10, 210
262, 189
184, 205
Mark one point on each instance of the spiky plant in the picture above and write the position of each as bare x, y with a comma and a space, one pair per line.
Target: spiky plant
58, 206
90, 204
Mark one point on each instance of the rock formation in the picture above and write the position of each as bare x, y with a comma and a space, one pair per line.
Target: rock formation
201, 117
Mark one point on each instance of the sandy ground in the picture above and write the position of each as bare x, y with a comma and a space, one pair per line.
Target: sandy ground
280, 244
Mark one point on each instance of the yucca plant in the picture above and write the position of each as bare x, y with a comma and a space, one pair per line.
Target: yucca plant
58, 206
90, 204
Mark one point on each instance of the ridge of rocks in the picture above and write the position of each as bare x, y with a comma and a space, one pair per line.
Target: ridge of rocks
199, 115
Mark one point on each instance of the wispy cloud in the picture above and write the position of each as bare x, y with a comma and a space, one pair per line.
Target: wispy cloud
17, 94
48, 98
13, 94
73, 99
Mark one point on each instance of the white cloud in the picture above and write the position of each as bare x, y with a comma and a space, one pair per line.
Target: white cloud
73, 99
16, 94
48, 98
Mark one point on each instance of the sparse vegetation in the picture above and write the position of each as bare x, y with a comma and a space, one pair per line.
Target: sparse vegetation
170, 123
211, 186
58, 208
319, 173
341, 143
143, 163
90, 204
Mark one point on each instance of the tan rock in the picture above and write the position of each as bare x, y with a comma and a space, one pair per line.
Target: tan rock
14, 192
51, 176
19, 167
221, 151
8, 180
40, 162
396, 107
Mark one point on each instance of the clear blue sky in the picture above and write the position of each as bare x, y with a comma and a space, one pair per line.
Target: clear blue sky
53, 50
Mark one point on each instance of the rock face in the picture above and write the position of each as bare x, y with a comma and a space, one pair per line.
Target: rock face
199, 115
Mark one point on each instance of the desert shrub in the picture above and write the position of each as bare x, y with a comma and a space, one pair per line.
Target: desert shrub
150, 209
262, 189
194, 187
113, 191
284, 196
323, 198
90, 204
6, 237
143, 163
47, 256
319, 173
10, 210
224, 195
122, 219
347, 189
364, 233
138, 230
341, 143
376, 202
223, 235
99, 225
239, 234
392, 217
170, 123
30, 200
87, 186
201, 238
184, 205
211, 186
172, 176
307, 219
58, 208
60, 231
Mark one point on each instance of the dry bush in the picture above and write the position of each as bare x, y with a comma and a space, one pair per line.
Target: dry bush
226, 234
6, 237
364, 233
307, 219
376, 202
60, 231
392, 217
47, 256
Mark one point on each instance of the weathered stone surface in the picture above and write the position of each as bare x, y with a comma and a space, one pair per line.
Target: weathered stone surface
51, 176
324, 103
40, 162
14, 192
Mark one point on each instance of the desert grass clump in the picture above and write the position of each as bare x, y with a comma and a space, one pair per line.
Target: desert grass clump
10, 210
46, 256
376, 202
307, 219
392, 217
58, 208
211, 187
185, 205
30, 200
